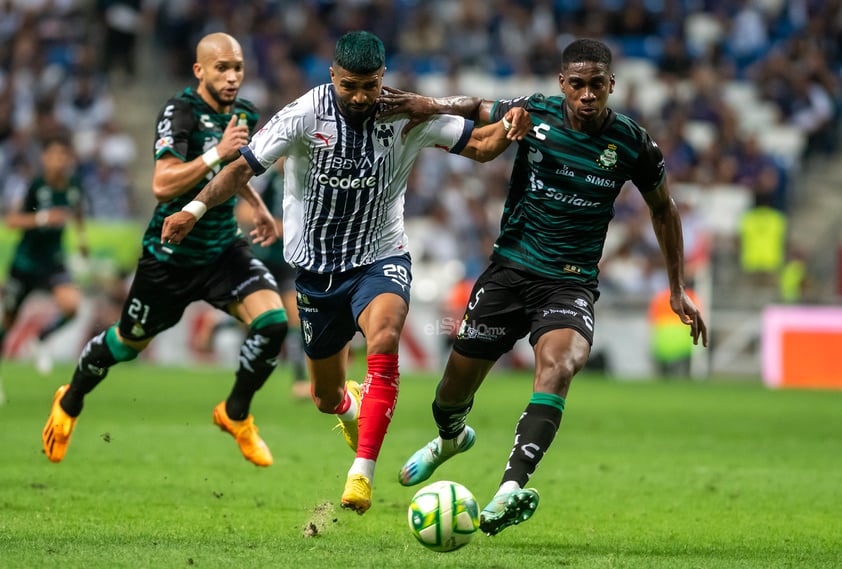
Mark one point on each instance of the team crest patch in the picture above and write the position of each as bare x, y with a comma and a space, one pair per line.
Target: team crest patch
307, 331
384, 133
608, 158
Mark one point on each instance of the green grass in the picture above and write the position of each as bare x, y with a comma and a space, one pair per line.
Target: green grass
649, 475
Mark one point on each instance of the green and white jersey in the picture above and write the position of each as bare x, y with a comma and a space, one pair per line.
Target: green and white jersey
187, 126
40, 251
563, 186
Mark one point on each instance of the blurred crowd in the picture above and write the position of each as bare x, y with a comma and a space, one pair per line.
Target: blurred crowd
704, 68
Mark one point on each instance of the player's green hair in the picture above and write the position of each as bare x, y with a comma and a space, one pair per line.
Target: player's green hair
586, 50
360, 52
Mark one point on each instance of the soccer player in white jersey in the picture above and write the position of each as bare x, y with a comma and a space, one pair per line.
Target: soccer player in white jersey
345, 178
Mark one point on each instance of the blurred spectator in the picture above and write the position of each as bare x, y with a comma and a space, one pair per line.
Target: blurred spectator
84, 103
122, 20
762, 242
748, 39
675, 61
758, 170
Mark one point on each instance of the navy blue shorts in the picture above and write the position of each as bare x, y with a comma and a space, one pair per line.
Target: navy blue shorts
330, 304
507, 304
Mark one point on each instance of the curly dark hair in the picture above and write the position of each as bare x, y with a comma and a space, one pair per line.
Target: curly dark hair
586, 50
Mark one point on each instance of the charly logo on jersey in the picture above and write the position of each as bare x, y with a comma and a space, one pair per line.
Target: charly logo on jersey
384, 133
206, 121
608, 158
581, 303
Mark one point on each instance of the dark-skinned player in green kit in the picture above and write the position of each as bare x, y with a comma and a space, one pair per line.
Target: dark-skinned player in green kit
542, 280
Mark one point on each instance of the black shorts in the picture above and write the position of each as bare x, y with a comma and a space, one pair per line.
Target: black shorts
507, 303
161, 291
21, 284
283, 272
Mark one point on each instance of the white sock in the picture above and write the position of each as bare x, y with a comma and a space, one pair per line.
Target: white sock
353, 411
507, 487
364, 466
449, 446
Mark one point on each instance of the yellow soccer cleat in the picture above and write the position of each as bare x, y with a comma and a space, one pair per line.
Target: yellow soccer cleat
357, 494
351, 429
245, 433
56, 433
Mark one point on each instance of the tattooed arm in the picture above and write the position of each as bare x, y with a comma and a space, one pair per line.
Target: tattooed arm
233, 179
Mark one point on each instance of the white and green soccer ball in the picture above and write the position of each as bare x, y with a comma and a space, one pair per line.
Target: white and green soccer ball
443, 516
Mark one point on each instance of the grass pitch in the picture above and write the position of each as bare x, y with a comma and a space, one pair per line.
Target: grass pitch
641, 475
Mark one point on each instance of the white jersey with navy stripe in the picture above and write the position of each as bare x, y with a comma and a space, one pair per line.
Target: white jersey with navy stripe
344, 187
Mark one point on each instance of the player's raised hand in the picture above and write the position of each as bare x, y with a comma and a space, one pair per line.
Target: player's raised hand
176, 227
233, 138
392, 102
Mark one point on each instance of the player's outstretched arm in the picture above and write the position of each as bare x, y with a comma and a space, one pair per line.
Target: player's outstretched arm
393, 102
666, 223
230, 180
488, 142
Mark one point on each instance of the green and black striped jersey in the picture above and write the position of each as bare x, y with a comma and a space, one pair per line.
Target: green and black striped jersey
563, 186
40, 251
187, 126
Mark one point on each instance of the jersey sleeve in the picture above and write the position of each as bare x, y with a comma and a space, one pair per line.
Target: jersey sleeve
277, 137
175, 123
650, 171
502, 106
448, 132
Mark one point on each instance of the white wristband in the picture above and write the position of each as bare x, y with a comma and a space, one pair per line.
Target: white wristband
507, 126
196, 208
211, 158
41, 218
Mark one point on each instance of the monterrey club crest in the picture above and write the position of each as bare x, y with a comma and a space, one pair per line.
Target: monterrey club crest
384, 133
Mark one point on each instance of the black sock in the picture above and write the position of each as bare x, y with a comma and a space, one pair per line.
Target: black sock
451, 420
534, 434
92, 368
258, 358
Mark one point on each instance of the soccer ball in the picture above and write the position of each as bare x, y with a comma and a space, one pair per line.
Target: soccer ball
443, 516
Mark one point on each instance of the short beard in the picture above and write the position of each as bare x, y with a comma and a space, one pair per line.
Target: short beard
217, 97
